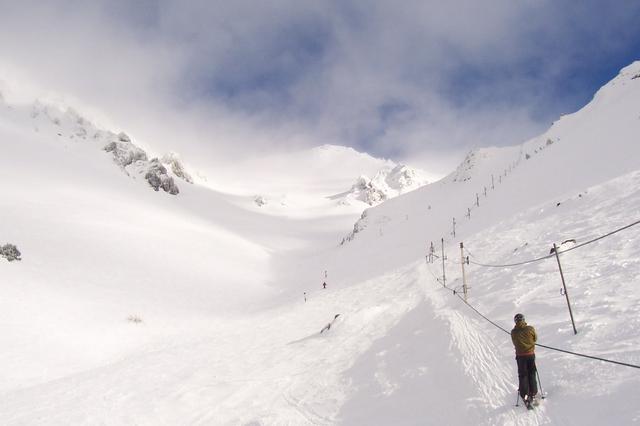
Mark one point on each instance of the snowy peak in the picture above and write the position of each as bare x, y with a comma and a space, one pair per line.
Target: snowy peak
627, 75
601, 129
615, 101
403, 178
326, 178
340, 162
387, 183
329, 152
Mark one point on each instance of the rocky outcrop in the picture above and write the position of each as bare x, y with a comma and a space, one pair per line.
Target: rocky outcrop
156, 175
124, 151
173, 160
387, 183
133, 158
463, 172
357, 227
366, 190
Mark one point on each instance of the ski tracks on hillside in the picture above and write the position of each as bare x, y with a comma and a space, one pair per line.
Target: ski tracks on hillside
495, 381
368, 311
269, 368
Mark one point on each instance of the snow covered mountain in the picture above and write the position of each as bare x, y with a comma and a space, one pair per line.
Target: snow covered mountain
294, 178
387, 183
59, 121
130, 307
316, 181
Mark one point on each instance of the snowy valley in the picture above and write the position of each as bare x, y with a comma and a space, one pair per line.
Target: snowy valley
202, 302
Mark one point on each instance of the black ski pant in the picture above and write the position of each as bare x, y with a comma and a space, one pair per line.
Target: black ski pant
527, 375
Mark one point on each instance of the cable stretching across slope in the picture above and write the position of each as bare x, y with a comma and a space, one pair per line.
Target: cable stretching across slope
507, 265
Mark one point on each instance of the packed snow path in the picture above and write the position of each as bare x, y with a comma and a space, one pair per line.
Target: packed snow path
271, 368
276, 368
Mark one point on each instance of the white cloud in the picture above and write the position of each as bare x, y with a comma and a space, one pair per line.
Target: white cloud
216, 79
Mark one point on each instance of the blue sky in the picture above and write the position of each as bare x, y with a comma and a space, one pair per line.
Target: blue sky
419, 81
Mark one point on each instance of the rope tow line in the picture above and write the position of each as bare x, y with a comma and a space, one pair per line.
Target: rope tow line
589, 356
545, 346
507, 265
602, 236
537, 260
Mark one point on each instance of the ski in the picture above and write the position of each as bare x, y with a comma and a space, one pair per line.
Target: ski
530, 404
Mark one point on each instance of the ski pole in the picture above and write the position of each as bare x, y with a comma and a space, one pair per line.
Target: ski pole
540, 384
517, 397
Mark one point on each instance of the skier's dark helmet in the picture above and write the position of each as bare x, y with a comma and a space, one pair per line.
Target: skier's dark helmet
518, 318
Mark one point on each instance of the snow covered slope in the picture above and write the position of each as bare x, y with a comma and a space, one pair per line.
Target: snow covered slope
98, 247
232, 304
543, 192
59, 121
593, 145
596, 146
328, 179
469, 376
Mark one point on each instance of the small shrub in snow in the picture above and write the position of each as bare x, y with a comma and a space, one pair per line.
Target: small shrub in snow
10, 252
134, 319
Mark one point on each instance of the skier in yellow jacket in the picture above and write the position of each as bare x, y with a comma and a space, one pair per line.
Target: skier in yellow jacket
524, 340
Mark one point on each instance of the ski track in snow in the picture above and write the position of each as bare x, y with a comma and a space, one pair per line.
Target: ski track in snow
274, 378
605, 303
491, 376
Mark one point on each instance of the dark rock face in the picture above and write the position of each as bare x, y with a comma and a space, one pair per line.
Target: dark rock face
156, 175
131, 157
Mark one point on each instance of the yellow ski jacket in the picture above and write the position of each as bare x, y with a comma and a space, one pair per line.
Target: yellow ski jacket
524, 338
